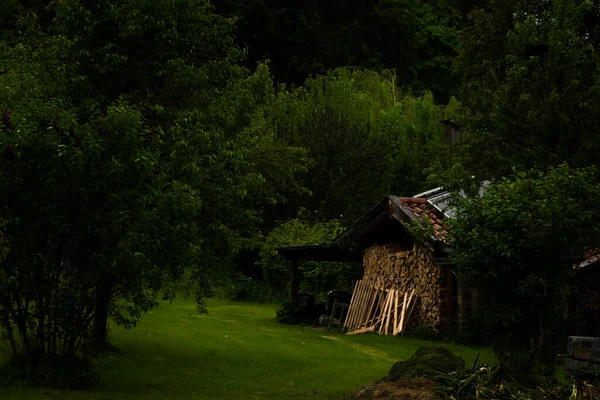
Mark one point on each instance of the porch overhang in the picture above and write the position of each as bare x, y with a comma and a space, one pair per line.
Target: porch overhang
317, 252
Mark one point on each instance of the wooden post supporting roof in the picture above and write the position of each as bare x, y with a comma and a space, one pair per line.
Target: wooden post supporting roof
294, 280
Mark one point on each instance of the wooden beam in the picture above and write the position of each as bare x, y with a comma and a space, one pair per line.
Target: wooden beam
401, 326
362, 330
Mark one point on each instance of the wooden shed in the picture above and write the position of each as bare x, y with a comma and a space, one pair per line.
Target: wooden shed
391, 257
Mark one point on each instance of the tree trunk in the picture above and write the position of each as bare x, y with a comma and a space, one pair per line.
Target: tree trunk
101, 315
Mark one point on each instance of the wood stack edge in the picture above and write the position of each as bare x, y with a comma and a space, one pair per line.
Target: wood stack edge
374, 308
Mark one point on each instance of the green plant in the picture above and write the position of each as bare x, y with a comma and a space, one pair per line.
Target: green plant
516, 243
318, 277
426, 332
248, 289
55, 371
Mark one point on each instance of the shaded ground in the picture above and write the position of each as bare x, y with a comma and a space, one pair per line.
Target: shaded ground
237, 351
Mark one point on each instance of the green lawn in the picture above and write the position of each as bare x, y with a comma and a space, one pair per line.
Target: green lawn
237, 351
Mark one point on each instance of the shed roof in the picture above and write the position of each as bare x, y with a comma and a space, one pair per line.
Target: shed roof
343, 248
424, 211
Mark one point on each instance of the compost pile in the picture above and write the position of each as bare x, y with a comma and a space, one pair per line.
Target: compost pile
427, 362
412, 379
404, 389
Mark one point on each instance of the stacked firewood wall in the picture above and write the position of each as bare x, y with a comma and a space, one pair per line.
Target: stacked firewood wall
393, 267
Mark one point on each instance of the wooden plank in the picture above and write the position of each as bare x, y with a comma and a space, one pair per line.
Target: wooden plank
395, 324
389, 313
362, 330
356, 309
352, 312
359, 305
401, 326
369, 309
411, 308
384, 312
375, 315
382, 299
368, 306
351, 304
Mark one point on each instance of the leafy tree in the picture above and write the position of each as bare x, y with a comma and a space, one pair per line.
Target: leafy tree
416, 38
363, 139
332, 117
413, 125
517, 245
134, 148
529, 73
317, 276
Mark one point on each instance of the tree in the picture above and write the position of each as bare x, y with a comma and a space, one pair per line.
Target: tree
529, 73
363, 138
318, 277
418, 39
333, 118
517, 244
135, 151
417, 140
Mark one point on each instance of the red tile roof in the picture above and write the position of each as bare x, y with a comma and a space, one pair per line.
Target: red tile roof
425, 211
590, 257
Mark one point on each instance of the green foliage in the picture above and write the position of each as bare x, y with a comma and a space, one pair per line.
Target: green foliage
247, 289
363, 138
128, 157
417, 39
70, 373
416, 136
318, 277
516, 244
333, 118
530, 72
298, 312
483, 381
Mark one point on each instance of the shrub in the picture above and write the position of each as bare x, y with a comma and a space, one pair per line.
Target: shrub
48, 370
296, 312
318, 277
248, 289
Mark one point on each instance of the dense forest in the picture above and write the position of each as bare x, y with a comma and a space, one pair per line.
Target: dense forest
153, 148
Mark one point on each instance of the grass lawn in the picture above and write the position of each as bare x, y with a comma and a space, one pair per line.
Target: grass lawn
237, 351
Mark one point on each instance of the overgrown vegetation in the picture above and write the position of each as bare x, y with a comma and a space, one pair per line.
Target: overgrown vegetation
517, 244
125, 162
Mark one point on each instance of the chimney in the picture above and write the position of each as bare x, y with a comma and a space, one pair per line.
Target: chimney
451, 131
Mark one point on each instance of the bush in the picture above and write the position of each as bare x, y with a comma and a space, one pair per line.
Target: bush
52, 371
484, 382
248, 289
296, 312
424, 332
317, 277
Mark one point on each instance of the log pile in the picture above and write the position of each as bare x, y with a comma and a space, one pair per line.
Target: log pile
374, 308
392, 266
